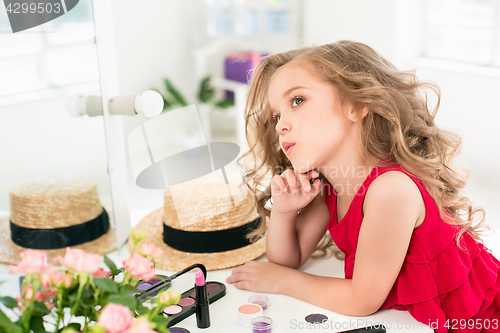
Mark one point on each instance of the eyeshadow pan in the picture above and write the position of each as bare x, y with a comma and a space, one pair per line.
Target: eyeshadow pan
186, 301
155, 281
172, 309
144, 286
193, 295
178, 330
316, 318
211, 287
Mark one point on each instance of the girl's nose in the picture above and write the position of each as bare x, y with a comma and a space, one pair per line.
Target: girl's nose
282, 127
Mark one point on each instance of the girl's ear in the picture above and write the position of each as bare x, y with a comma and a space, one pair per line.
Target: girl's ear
363, 110
358, 113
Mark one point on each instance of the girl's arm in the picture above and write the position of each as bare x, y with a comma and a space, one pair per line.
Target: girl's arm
292, 238
392, 207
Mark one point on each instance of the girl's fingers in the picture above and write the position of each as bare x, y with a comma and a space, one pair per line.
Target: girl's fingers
316, 187
278, 184
303, 180
291, 180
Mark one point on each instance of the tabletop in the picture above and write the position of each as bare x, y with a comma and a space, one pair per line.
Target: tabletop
288, 314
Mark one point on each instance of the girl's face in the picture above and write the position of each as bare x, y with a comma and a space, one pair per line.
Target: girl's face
315, 128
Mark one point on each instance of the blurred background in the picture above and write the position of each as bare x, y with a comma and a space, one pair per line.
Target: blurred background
171, 46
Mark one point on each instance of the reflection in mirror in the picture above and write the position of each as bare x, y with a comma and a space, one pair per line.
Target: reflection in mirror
53, 170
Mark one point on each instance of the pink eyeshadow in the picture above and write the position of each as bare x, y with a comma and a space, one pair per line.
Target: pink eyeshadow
186, 302
193, 295
211, 287
172, 309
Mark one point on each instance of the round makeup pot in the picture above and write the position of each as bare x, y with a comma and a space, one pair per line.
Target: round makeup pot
262, 325
247, 312
261, 300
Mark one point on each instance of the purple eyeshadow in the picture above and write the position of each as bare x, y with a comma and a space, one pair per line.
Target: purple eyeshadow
172, 309
186, 301
212, 287
155, 281
144, 286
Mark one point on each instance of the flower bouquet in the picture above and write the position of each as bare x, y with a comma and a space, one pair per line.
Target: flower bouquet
82, 297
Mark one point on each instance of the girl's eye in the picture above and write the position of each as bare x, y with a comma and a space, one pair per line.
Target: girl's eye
296, 101
276, 118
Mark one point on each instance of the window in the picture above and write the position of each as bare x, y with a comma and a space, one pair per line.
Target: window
250, 17
59, 54
463, 30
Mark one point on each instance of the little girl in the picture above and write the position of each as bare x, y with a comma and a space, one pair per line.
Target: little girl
355, 152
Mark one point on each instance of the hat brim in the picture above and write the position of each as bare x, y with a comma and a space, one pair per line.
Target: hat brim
175, 260
9, 251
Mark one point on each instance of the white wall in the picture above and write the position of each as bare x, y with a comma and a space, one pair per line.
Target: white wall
469, 103
40, 138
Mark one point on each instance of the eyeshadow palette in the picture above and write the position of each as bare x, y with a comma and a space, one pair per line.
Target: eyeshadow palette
186, 306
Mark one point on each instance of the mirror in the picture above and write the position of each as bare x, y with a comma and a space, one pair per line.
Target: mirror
44, 70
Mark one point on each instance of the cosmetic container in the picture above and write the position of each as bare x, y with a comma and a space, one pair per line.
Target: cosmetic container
247, 312
261, 300
262, 325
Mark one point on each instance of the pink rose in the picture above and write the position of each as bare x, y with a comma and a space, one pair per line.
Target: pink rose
79, 261
41, 296
32, 262
151, 250
101, 273
61, 279
115, 318
141, 325
140, 267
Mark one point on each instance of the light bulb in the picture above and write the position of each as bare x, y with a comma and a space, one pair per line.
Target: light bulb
149, 103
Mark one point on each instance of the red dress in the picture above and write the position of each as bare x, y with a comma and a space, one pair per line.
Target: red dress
439, 284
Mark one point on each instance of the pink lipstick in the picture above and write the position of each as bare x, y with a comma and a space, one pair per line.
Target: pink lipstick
201, 301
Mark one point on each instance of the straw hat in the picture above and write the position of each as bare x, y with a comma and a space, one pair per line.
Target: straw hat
51, 213
204, 221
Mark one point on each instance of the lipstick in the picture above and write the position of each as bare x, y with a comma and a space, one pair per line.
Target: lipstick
201, 301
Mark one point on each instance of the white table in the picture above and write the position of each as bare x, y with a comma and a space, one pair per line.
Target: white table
286, 312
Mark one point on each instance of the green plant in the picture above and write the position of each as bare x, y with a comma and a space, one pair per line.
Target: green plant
206, 94
51, 298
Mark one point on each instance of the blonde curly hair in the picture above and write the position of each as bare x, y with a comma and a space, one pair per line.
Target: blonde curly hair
398, 129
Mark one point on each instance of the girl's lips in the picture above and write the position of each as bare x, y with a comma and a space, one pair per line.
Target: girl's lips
289, 150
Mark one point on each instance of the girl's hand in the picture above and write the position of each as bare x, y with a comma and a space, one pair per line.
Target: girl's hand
292, 191
258, 277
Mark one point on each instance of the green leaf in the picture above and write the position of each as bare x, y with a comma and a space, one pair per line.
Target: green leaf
142, 310
127, 300
206, 92
176, 95
41, 308
36, 324
9, 302
111, 265
107, 285
76, 326
225, 103
8, 325
161, 321
129, 290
